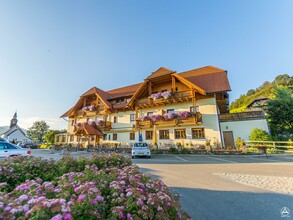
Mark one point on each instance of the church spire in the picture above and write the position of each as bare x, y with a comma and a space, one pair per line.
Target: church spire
14, 120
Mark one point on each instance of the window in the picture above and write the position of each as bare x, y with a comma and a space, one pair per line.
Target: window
72, 122
164, 134
57, 138
194, 109
115, 119
128, 99
180, 133
114, 137
132, 117
131, 136
119, 101
176, 89
71, 138
104, 137
170, 111
197, 133
150, 114
109, 137
148, 135
63, 138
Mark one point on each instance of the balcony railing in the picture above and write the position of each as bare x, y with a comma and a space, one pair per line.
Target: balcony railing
242, 116
176, 97
195, 119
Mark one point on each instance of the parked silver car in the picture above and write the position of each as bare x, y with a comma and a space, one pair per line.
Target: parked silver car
10, 150
141, 149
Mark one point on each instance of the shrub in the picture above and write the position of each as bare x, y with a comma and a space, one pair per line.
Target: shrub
114, 189
259, 135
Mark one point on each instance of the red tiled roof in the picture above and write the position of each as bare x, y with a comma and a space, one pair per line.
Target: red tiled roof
90, 130
66, 114
123, 91
209, 78
160, 72
120, 106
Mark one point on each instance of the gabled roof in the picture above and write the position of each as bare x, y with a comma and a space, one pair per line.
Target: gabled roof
101, 93
89, 129
209, 78
160, 72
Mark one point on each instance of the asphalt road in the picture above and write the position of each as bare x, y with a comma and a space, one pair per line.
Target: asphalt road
222, 187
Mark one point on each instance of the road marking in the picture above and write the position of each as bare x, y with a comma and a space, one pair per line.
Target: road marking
220, 159
181, 159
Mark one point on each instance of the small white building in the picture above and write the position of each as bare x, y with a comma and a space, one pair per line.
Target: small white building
15, 134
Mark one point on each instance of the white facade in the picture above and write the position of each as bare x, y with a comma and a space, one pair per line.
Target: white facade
243, 129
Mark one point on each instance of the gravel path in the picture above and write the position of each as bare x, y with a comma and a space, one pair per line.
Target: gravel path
277, 184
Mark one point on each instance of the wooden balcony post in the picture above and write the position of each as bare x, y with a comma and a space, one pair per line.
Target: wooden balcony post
150, 87
173, 84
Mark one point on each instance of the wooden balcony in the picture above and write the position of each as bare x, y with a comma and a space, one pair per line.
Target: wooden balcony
99, 110
242, 116
177, 97
195, 119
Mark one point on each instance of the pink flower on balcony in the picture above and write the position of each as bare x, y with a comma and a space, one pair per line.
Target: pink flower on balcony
78, 124
156, 96
144, 118
155, 117
184, 114
91, 122
99, 122
169, 116
86, 108
166, 94
89, 108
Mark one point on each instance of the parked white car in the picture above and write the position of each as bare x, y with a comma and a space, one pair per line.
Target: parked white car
140, 149
10, 150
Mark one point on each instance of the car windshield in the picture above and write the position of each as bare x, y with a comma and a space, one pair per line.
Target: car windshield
140, 145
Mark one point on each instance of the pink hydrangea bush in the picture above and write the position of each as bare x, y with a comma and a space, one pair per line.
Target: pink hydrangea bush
108, 193
16, 170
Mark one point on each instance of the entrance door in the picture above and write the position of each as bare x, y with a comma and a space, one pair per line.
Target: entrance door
229, 139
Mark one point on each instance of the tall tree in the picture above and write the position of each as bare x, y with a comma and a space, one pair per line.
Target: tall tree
38, 130
280, 112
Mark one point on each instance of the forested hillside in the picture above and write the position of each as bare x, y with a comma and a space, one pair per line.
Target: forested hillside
266, 89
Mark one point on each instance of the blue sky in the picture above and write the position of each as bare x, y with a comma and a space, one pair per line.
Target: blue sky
53, 51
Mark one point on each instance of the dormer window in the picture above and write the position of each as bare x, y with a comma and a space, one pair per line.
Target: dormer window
119, 101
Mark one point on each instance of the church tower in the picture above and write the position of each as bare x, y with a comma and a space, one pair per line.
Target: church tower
13, 121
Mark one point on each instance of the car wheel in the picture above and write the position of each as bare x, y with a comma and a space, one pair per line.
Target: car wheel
149, 157
132, 157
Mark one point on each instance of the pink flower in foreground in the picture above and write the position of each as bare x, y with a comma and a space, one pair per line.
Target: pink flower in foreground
81, 198
67, 216
57, 217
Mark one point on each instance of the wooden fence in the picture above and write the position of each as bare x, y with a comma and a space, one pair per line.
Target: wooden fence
284, 146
